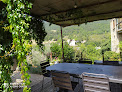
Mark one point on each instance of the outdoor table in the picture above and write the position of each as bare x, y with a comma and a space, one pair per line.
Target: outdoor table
113, 72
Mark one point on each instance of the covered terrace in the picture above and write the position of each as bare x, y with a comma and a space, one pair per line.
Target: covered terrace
75, 12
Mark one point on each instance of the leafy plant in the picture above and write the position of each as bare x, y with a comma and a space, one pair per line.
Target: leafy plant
111, 56
69, 52
56, 50
120, 46
37, 31
5, 49
77, 54
89, 52
16, 32
17, 20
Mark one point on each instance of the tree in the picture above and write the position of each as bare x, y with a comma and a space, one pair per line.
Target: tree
56, 50
89, 52
69, 52
111, 56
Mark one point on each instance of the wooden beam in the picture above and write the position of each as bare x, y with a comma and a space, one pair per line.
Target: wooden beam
87, 6
65, 25
90, 15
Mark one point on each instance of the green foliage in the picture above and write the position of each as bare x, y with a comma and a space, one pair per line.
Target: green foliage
16, 32
111, 56
77, 54
37, 31
69, 52
56, 50
37, 56
106, 44
82, 32
4, 1
17, 24
120, 46
5, 46
82, 47
89, 52
5, 35
96, 34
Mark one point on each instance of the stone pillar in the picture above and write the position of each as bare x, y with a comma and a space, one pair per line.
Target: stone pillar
116, 36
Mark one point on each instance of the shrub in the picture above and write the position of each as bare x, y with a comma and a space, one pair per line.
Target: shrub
120, 46
55, 49
77, 55
69, 52
89, 52
111, 56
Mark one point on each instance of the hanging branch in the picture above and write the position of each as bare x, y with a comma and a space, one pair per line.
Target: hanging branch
18, 19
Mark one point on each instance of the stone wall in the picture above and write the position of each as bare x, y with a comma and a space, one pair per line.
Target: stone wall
116, 36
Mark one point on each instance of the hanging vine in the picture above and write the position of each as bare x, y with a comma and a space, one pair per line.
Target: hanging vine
17, 15
74, 14
37, 31
20, 28
18, 19
5, 47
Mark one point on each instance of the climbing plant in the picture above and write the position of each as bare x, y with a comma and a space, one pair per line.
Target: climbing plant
5, 46
17, 29
75, 14
37, 30
120, 46
18, 18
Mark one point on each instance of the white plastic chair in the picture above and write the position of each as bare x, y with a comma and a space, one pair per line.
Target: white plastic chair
95, 82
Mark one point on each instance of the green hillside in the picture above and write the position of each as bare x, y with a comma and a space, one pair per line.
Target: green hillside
97, 32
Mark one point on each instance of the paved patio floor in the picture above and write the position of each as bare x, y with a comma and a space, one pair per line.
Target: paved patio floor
36, 83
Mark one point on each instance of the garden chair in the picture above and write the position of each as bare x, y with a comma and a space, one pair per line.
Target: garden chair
63, 81
45, 73
95, 82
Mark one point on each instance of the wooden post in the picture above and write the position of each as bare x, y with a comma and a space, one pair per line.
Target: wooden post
51, 56
121, 56
62, 45
103, 55
81, 56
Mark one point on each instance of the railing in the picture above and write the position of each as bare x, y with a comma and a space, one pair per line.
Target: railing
119, 25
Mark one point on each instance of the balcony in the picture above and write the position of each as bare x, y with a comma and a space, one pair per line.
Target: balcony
119, 25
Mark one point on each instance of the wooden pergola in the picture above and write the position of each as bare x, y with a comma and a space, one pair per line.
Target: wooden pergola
74, 12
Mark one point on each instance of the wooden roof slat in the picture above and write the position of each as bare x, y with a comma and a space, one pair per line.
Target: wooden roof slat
92, 10
89, 16
82, 7
92, 17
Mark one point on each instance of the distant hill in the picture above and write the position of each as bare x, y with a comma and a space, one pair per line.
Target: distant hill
98, 31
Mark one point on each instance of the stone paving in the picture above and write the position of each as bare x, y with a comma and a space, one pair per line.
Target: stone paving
36, 83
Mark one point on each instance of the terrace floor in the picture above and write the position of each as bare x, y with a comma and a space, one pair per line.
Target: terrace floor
36, 83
